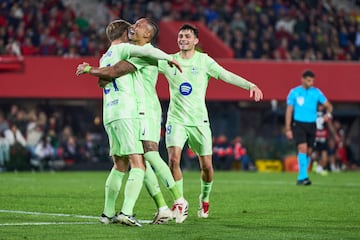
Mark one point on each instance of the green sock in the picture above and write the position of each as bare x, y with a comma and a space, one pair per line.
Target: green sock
132, 190
152, 186
112, 188
163, 171
179, 184
205, 190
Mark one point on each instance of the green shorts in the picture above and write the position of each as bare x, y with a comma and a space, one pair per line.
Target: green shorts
124, 137
151, 129
199, 137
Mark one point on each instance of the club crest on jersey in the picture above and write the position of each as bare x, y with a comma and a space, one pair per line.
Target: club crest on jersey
300, 100
194, 70
185, 88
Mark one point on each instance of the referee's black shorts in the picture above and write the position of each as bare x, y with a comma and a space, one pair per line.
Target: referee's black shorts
304, 132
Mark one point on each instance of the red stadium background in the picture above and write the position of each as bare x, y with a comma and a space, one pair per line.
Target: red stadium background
54, 77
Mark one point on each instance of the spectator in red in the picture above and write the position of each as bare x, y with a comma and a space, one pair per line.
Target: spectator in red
28, 48
222, 153
240, 154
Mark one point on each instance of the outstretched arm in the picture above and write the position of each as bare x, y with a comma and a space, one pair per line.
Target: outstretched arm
236, 80
119, 69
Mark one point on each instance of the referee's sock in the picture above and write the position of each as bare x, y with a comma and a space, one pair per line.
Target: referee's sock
303, 165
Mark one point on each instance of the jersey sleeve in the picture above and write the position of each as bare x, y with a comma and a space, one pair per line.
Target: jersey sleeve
290, 98
213, 67
123, 50
322, 98
162, 66
218, 72
139, 63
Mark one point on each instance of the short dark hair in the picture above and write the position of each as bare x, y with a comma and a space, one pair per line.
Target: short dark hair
308, 73
116, 29
188, 26
152, 23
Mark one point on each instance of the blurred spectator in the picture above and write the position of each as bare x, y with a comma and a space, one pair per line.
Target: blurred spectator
240, 155
222, 153
71, 150
19, 157
44, 153
4, 151
33, 132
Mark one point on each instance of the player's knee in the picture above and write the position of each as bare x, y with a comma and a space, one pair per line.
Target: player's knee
208, 168
174, 161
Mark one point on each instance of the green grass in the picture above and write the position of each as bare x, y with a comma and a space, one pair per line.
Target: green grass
243, 206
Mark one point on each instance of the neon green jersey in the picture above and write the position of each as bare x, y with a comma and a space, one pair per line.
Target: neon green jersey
148, 68
119, 96
188, 89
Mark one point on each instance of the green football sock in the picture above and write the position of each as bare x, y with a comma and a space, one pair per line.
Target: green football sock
163, 171
179, 184
132, 190
205, 190
112, 188
152, 186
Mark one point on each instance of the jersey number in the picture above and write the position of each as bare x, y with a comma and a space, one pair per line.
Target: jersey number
107, 90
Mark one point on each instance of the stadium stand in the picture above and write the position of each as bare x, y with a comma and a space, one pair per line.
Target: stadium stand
254, 29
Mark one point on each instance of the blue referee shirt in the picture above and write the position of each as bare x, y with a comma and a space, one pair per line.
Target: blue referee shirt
305, 103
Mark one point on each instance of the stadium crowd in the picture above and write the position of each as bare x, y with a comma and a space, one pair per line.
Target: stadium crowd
36, 139
256, 29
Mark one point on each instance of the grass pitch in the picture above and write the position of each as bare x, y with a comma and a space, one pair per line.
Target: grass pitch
66, 205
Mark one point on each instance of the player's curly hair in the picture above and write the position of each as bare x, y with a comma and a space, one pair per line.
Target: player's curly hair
116, 29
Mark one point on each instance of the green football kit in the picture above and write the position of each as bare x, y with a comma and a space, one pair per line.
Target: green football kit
187, 117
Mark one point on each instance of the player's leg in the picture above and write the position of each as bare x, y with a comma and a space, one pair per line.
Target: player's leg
175, 139
151, 137
112, 188
200, 141
161, 168
132, 190
163, 214
125, 144
207, 175
114, 179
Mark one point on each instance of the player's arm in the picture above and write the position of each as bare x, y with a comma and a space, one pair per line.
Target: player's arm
121, 68
155, 53
288, 119
218, 72
107, 73
236, 80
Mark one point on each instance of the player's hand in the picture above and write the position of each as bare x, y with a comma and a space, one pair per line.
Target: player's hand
102, 82
80, 68
257, 93
289, 134
173, 63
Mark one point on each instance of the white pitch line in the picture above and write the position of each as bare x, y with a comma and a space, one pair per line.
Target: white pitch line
44, 223
56, 215
48, 214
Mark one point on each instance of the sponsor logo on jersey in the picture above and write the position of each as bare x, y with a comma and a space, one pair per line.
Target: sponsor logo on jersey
300, 100
185, 88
